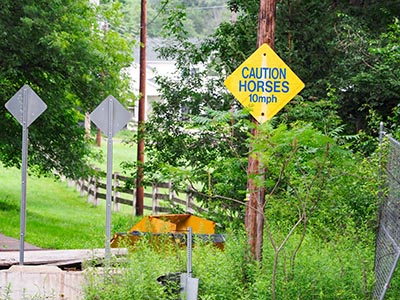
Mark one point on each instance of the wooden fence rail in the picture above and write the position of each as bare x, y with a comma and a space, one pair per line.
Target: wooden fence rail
162, 199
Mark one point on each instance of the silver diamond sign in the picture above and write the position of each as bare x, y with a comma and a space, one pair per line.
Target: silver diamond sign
110, 116
26, 101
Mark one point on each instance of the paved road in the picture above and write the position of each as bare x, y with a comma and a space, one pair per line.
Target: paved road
11, 244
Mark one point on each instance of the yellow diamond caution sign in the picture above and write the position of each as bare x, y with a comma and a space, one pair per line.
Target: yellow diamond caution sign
264, 84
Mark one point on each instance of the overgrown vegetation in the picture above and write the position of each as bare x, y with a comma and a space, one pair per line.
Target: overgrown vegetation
338, 269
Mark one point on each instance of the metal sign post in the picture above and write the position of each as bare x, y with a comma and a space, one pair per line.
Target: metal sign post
110, 116
189, 252
190, 284
24, 170
25, 106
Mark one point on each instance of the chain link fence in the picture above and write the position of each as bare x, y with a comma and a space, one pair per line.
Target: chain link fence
388, 241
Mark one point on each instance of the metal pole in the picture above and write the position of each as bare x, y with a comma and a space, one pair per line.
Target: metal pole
109, 179
141, 115
191, 286
381, 134
189, 252
24, 168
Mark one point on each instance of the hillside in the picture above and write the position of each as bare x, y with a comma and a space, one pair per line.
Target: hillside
57, 217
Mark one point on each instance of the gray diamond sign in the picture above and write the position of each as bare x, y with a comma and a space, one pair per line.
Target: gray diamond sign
26, 100
110, 116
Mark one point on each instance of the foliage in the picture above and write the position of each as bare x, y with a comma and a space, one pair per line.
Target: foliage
71, 63
136, 280
365, 74
386, 72
197, 132
324, 270
311, 186
321, 113
202, 16
311, 174
341, 270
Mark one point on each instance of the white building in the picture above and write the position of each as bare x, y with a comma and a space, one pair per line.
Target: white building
154, 67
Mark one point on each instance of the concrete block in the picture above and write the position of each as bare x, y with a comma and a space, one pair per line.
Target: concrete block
41, 282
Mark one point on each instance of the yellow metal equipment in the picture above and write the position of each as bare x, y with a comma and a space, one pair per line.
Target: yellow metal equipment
172, 225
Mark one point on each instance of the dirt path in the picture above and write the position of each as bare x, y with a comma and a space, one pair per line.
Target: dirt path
11, 244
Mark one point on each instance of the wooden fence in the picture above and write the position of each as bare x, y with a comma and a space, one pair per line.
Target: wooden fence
162, 199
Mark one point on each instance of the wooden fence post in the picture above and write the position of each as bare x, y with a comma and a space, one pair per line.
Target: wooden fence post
90, 189
189, 200
134, 201
82, 190
94, 189
171, 192
78, 185
154, 198
71, 183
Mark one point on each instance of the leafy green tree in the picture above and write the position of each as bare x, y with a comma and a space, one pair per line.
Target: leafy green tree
203, 16
192, 135
73, 62
366, 75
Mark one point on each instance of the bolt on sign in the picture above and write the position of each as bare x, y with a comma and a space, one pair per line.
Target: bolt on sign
264, 84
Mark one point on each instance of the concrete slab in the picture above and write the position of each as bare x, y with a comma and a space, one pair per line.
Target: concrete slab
57, 257
41, 282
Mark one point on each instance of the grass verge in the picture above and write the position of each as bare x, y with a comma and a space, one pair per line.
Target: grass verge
57, 217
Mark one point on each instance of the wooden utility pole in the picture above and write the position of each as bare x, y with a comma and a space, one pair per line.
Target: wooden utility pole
142, 109
254, 219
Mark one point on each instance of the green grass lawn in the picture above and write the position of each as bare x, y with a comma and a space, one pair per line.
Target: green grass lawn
121, 152
57, 216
